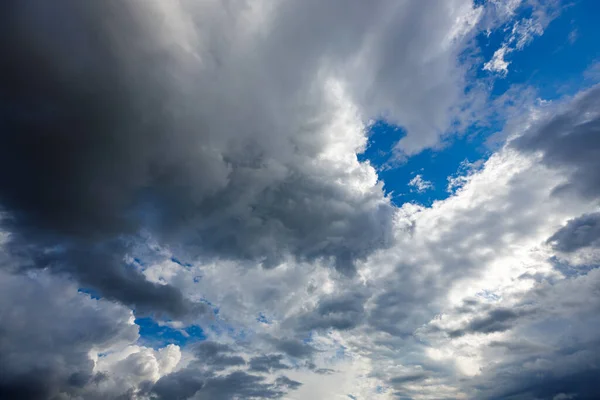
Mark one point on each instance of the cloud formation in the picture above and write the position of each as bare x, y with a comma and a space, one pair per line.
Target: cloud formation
48, 329
199, 164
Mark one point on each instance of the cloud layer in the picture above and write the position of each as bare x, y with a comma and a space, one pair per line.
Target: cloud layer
198, 164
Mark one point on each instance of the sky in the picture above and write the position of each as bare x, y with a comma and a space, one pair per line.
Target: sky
285, 199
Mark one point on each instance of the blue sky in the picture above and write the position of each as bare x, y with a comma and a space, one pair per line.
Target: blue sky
552, 64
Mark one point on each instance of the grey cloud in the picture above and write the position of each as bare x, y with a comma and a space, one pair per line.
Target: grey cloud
180, 385
294, 348
577, 376
324, 371
321, 371
496, 320
202, 378
400, 380
580, 232
544, 356
47, 330
74, 146
468, 306
268, 363
216, 355
570, 139
401, 304
210, 349
520, 346
342, 312
239, 385
346, 303
188, 384
119, 131
287, 382
103, 267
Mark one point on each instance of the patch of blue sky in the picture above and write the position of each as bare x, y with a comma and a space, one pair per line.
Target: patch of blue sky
157, 335
380, 389
222, 328
179, 262
138, 262
434, 166
340, 353
309, 338
94, 294
262, 318
210, 304
488, 295
553, 64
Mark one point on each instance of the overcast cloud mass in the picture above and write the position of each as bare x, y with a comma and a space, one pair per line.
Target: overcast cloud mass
299, 199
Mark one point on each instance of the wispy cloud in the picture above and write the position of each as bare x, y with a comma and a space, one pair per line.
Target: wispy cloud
419, 184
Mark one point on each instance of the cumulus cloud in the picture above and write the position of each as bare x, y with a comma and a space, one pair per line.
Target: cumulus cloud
560, 359
218, 355
569, 140
217, 371
580, 232
213, 149
49, 331
186, 384
506, 336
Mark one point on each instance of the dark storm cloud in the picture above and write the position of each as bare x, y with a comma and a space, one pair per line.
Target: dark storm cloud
580, 232
400, 380
200, 378
218, 356
180, 385
103, 267
76, 143
47, 330
497, 320
98, 142
553, 353
570, 372
341, 311
188, 383
571, 140
268, 363
294, 348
